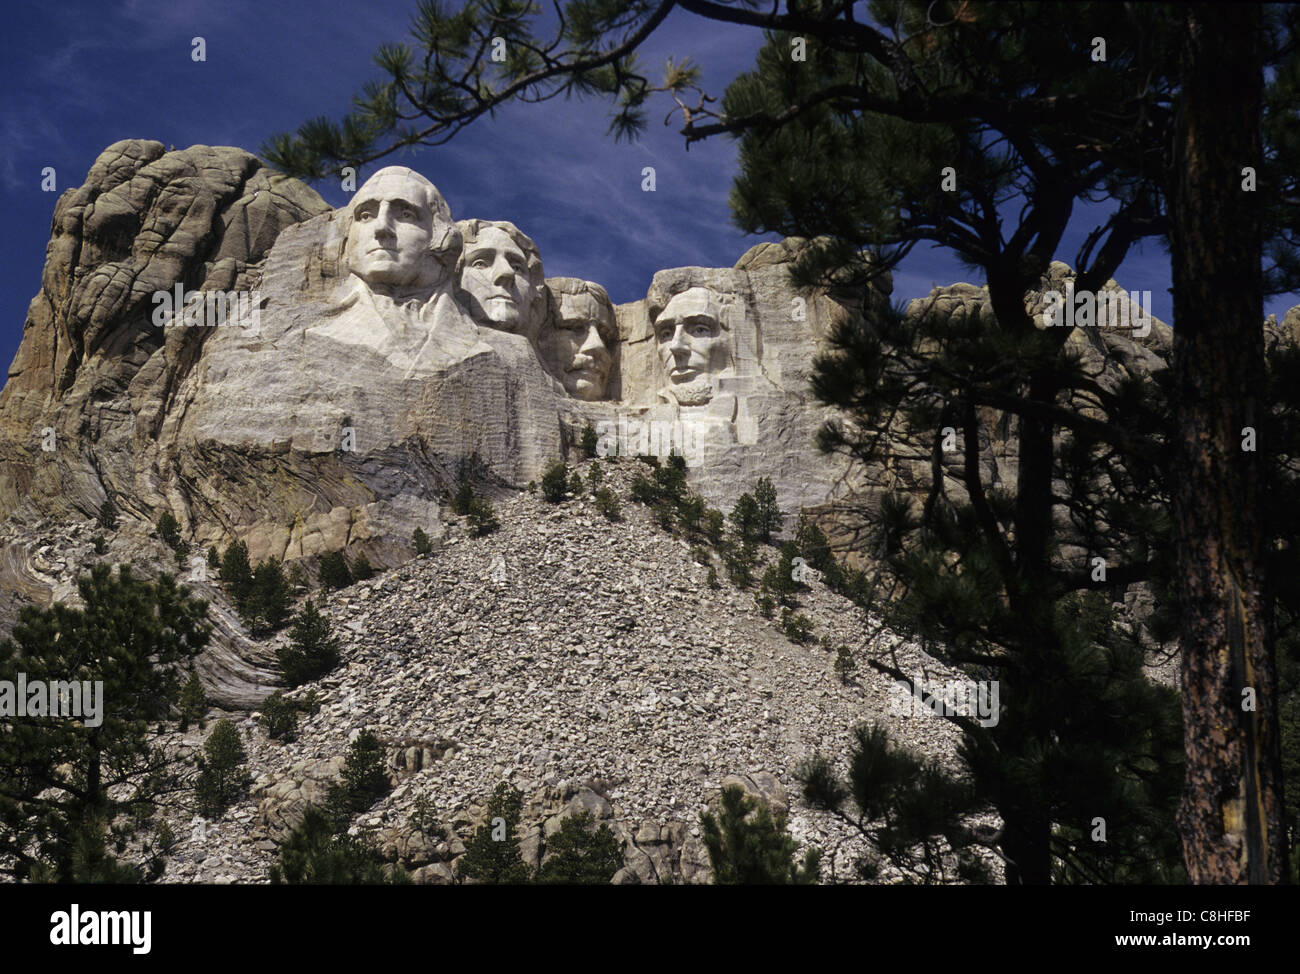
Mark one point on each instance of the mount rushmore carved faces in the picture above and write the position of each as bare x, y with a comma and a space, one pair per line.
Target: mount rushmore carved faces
398, 225
694, 345
501, 277
580, 337
400, 246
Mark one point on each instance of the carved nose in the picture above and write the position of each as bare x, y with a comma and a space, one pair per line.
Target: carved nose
593, 345
502, 272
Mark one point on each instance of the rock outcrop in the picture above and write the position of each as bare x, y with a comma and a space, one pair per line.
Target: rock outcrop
367, 358
94, 381
358, 372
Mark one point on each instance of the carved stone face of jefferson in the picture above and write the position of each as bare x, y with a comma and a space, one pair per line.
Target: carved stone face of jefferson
694, 344
501, 277
398, 219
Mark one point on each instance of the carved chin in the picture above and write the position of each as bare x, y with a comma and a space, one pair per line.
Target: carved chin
585, 387
502, 314
697, 392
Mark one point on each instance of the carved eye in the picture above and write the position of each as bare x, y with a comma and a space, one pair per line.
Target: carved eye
408, 213
701, 331
665, 334
365, 215
480, 262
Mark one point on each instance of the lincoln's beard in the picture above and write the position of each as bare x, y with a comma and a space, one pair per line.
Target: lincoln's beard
697, 392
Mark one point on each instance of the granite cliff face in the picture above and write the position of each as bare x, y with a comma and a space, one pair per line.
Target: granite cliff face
339, 399
91, 367
368, 357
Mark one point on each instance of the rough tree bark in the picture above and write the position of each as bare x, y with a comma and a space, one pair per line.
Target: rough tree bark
1230, 819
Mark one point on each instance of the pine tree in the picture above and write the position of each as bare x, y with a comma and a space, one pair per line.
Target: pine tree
1216, 236
92, 862
312, 650
193, 703
333, 571
492, 855
768, 514
270, 599
744, 517
690, 515
68, 786
169, 531
643, 490
237, 574
482, 518
420, 541
214, 559
364, 780
748, 845
555, 481
589, 441
464, 497
670, 479
813, 543
714, 525
779, 578
581, 853
316, 853
844, 664
739, 561
361, 568
914, 814
108, 515
607, 503
279, 717
223, 772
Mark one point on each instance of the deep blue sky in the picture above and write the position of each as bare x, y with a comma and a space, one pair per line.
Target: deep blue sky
78, 76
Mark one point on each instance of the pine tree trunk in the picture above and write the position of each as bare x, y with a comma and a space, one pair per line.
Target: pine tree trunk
1230, 819
1026, 841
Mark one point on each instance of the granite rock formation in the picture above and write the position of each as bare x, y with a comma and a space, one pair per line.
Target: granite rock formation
361, 360
379, 352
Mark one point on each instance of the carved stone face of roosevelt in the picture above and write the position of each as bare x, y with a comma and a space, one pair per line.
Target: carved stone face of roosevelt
694, 346
395, 218
578, 347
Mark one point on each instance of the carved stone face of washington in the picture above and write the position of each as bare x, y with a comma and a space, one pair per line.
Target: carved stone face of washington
694, 344
398, 221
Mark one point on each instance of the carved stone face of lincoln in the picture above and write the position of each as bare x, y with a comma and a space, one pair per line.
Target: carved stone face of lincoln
694, 344
397, 218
